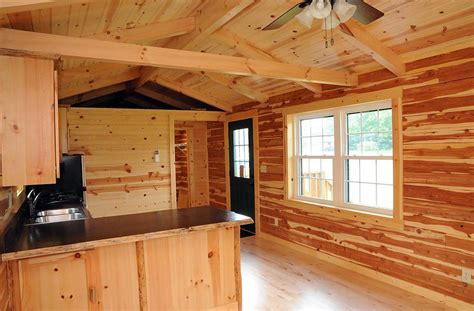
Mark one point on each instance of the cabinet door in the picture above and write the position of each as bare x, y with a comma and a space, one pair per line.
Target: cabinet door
118, 273
57, 282
27, 100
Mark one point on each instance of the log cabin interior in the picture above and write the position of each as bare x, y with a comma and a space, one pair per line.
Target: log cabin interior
236, 155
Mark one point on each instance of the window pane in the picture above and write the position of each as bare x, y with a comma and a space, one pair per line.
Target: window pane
305, 128
328, 126
326, 168
369, 144
368, 194
305, 187
316, 127
385, 144
385, 196
245, 134
354, 144
316, 145
367, 171
385, 120
328, 145
369, 122
246, 170
305, 146
315, 168
236, 137
353, 170
246, 153
385, 172
304, 164
326, 189
353, 123
353, 189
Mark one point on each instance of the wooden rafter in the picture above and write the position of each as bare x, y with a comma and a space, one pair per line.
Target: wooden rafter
242, 46
237, 86
362, 39
7, 6
93, 94
204, 97
154, 31
98, 83
211, 16
126, 53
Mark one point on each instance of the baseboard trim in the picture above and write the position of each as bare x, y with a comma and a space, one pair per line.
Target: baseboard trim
416, 289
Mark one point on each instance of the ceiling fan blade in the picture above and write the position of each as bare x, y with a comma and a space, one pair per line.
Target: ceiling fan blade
287, 16
365, 13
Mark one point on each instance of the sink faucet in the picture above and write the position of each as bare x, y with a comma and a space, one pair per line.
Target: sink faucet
30, 198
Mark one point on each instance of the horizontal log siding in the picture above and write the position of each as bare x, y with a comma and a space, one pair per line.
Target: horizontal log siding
437, 238
216, 158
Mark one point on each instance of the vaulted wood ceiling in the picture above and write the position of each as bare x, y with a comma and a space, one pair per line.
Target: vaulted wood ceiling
409, 30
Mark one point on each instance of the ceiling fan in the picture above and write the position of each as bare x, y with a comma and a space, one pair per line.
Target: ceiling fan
333, 12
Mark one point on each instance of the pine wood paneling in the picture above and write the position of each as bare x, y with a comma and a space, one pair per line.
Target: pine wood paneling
217, 171
436, 239
119, 147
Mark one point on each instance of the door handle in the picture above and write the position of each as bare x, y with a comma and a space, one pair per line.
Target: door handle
93, 294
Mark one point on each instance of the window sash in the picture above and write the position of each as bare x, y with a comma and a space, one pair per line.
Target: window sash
339, 158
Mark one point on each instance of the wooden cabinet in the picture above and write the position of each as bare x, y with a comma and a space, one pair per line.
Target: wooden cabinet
58, 282
105, 278
28, 105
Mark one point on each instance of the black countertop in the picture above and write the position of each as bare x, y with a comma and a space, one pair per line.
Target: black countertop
20, 238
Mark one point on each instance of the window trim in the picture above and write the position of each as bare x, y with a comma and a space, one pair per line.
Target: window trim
337, 210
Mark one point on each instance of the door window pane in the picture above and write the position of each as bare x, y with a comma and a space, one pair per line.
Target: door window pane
241, 153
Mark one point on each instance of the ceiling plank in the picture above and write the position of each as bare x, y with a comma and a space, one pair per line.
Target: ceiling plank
237, 86
7, 7
24, 41
207, 98
242, 46
210, 17
74, 89
158, 30
162, 98
362, 39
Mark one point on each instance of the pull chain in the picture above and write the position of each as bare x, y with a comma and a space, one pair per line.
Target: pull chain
325, 33
332, 38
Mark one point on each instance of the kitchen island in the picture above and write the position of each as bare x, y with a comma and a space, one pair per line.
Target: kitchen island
166, 260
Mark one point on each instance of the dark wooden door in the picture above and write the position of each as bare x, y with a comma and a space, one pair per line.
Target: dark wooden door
242, 190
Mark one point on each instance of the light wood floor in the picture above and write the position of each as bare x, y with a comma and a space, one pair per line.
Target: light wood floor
277, 278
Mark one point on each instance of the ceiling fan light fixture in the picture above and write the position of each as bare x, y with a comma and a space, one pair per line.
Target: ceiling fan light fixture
320, 9
305, 17
344, 10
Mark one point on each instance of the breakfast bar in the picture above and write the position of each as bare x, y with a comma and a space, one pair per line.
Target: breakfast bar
172, 259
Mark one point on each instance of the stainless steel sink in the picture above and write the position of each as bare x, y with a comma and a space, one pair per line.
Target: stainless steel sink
59, 218
54, 212
57, 215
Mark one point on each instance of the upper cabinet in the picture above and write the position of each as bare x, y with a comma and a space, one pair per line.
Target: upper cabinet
28, 105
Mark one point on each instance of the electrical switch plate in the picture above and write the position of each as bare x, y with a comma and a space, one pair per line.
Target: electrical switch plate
466, 275
263, 168
157, 156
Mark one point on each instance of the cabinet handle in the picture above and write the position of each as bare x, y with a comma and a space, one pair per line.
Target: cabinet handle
93, 295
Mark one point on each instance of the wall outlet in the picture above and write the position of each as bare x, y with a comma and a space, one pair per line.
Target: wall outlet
466, 275
157, 156
263, 168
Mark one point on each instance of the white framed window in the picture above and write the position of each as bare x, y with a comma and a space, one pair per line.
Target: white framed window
343, 157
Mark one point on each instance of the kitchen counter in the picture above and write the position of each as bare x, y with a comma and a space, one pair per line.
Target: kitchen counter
21, 241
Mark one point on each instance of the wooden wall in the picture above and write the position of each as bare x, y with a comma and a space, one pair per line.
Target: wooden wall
119, 145
437, 236
181, 165
217, 171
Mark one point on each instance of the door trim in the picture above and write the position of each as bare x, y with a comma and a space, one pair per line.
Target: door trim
249, 114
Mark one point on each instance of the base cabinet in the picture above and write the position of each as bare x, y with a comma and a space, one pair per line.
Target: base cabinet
192, 271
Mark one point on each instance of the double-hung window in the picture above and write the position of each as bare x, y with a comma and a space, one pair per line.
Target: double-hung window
343, 157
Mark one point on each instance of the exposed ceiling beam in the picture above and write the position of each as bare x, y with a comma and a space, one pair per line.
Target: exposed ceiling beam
74, 89
237, 86
242, 46
7, 6
362, 39
158, 30
204, 97
162, 98
72, 100
89, 72
210, 17
24, 41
